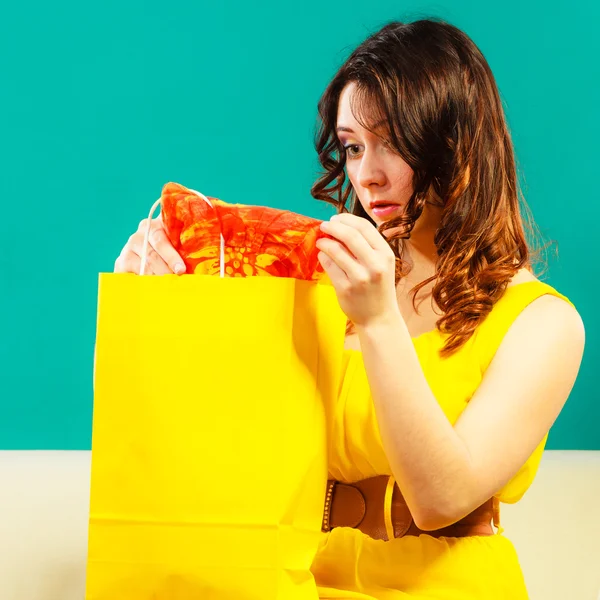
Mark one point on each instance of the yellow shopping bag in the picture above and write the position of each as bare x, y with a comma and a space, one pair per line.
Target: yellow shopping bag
212, 398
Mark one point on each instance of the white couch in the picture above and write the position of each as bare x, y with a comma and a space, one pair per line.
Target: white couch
44, 499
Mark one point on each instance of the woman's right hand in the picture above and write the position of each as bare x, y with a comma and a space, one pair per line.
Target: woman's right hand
162, 258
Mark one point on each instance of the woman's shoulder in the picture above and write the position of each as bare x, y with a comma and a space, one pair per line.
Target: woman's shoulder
525, 293
530, 305
522, 276
525, 288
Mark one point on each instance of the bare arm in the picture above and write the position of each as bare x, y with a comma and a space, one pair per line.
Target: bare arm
445, 472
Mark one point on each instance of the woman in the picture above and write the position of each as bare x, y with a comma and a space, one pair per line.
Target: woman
458, 359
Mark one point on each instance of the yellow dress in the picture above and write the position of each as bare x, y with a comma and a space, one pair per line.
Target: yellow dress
350, 564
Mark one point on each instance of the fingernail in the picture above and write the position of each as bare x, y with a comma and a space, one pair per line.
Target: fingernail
179, 268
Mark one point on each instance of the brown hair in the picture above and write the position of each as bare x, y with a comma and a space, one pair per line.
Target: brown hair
435, 90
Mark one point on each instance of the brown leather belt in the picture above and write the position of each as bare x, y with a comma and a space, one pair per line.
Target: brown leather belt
376, 507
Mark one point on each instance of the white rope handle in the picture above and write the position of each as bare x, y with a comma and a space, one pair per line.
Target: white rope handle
147, 238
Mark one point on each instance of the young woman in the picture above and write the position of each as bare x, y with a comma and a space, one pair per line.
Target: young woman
458, 358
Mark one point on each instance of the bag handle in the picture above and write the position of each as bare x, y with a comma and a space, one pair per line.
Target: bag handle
147, 237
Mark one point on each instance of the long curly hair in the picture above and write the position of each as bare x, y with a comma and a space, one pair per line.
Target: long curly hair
433, 87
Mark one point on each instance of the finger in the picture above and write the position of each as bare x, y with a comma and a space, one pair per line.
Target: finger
160, 243
336, 275
342, 259
155, 264
128, 262
373, 237
352, 238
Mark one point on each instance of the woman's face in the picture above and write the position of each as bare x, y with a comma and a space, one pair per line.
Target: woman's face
376, 171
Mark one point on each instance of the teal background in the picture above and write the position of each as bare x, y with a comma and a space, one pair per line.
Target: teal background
103, 103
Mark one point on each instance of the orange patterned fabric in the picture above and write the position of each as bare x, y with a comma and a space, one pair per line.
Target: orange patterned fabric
258, 240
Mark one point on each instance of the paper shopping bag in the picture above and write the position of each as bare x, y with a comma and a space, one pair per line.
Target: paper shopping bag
212, 402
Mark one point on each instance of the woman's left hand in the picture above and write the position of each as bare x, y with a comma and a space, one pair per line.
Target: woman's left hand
361, 266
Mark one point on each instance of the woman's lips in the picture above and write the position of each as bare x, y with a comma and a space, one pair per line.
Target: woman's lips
385, 209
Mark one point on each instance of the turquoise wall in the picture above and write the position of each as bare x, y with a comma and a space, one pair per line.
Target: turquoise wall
103, 103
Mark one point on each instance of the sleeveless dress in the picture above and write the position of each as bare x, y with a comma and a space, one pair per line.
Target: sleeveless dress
350, 564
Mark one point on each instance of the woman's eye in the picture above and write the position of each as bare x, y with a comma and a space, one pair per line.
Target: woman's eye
353, 149
348, 149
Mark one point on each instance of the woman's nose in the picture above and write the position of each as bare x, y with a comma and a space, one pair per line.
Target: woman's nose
370, 170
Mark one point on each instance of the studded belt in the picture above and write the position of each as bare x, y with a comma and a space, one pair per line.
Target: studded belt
376, 507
